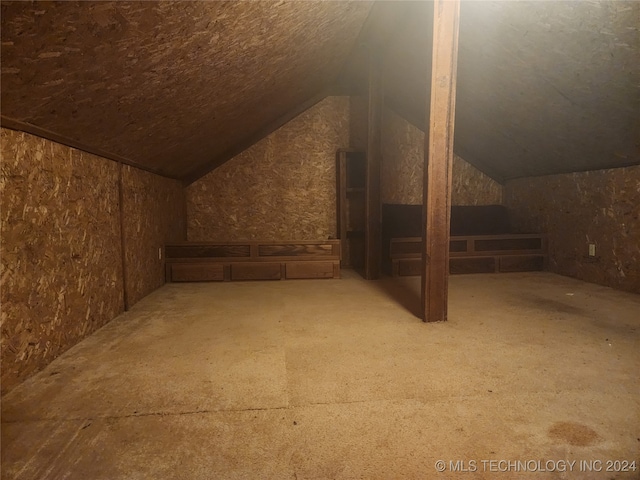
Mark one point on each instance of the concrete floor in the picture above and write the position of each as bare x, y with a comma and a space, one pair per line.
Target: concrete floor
337, 379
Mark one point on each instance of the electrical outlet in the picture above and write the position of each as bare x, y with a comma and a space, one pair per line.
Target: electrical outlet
160, 253
592, 249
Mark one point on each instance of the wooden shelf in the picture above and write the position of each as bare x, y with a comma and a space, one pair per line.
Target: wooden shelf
351, 193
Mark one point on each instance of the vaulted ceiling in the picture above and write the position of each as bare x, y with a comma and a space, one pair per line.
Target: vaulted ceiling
178, 88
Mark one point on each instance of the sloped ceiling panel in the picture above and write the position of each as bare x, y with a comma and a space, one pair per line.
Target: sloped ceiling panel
549, 87
407, 68
386, 22
543, 87
169, 85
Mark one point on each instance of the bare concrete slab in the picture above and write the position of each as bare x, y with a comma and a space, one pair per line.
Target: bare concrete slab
338, 379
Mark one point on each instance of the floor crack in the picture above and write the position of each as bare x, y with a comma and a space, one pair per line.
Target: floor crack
146, 414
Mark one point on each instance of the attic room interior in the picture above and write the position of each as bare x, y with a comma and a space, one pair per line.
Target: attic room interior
320, 240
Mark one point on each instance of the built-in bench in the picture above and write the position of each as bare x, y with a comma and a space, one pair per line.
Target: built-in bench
228, 261
481, 241
475, 254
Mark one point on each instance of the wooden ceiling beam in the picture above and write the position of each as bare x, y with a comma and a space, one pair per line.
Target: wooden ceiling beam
373, 206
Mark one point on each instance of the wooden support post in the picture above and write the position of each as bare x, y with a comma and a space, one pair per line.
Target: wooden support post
341, 204
123, 245
438, 161
373, 209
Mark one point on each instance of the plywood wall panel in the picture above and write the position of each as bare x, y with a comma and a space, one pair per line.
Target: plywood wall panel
154, 214
281, 188
61, 275
472, 187
402, 161
600, 207
402, 166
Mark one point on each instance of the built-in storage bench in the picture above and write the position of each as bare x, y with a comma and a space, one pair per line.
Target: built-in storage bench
226, 261
481, 241
475, 254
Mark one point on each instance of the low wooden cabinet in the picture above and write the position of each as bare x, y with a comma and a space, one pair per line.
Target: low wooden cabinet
475, 254
231, 261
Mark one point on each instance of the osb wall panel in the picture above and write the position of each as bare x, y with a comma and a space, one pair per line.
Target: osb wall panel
402, 169
600, 207
472, 187
402, 161
283, 187
61, 275
154, 214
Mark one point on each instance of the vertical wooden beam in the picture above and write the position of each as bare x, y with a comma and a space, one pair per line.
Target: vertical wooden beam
123, 244
341, 204
373, 208
185, 213
438, 157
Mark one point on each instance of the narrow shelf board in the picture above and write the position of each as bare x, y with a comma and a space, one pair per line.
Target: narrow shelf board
355, 190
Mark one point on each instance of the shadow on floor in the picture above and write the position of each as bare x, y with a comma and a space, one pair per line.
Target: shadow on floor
403, 293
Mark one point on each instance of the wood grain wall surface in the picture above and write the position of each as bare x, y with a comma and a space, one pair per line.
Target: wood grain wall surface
61, 257
154, 214
402, 166
600, 207
281, 188
60, 250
